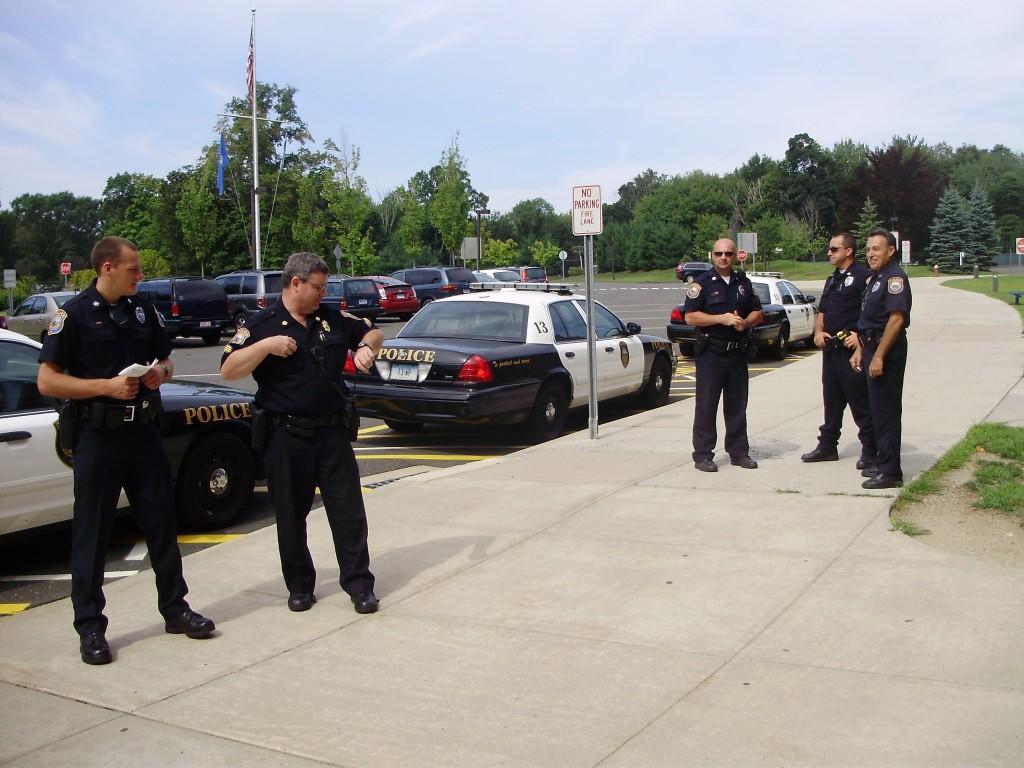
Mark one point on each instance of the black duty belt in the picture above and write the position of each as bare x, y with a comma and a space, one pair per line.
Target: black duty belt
871, 336
723, 347
308, 422
115, 416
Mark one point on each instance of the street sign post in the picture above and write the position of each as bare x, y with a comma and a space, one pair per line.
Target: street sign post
337, 259
741, 255
65, 268
562, 256
587, 213
587, 221
906, 252
10, 281
1020, 245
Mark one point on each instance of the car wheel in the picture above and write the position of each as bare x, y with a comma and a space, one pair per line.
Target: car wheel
215, 482
404, 426
782, 343
689, 278
211, 337
240, 320
752, 351
549, 415
685, 350
425, 301
659, 384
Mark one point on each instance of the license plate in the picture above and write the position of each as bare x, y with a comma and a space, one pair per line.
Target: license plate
405, 372
363, 302
399, 295
205, 323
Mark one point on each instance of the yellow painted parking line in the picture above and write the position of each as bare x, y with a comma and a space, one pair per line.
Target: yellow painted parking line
7, 609
208, 538
421, 457
368, 430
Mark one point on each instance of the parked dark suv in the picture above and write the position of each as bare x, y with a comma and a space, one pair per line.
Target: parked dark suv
250, 290
190, 306
436, 282
356, 295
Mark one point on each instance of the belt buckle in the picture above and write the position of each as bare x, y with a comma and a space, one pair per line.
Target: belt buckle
129, 413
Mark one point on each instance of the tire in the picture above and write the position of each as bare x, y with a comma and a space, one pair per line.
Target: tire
659, 384
425, 301
752, 352
782, 343
688, 279
686, 350
240, 319
549, 415
404, 426
215, 482
210, 338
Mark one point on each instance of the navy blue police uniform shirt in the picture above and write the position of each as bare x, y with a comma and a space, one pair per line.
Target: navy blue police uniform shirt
842, 296
888, 291
711, 294
92, 339
297, 385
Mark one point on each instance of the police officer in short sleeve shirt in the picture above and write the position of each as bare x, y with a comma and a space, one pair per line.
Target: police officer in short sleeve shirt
722, 304
834, 333
91, 339
296, 350
882, 354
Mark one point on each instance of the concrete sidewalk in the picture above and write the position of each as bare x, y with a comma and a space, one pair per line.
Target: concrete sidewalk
587, 603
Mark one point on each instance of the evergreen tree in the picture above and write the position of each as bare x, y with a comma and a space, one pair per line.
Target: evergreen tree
949, 231
982, 240
868, 220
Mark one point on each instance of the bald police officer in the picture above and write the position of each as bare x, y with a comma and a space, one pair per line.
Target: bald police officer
296, 351
722, 304
882, 354
834, 329
91, 339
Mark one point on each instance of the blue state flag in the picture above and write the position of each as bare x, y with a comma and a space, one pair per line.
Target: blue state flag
222, 163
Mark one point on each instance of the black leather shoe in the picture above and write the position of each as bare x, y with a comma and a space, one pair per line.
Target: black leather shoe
95, 649
365, 602
743, 461
190, 624
881, 481
706, 465
863, 463
869, 470
301, 601
821, 454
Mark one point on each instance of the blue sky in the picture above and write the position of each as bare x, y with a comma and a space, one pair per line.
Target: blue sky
543, 95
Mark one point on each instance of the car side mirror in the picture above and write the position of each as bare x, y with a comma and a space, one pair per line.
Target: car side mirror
632, 328
810, 299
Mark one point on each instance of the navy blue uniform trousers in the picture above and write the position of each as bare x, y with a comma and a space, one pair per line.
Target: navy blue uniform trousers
886, 396
842, 386
721, 376
105, 461
295, 466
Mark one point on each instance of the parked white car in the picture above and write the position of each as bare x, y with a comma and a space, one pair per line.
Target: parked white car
800, 308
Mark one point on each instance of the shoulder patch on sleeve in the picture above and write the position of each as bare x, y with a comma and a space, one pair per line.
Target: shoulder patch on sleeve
694, 290
57, 323
240, 336
895, 285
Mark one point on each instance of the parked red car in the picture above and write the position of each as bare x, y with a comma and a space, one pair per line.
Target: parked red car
396, 298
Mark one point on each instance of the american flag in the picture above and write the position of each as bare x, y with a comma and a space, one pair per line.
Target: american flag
250, 69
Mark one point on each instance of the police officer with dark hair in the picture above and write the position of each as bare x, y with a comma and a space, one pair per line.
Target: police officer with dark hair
882, 354
722, 305
296, 351
834, 333
92, 338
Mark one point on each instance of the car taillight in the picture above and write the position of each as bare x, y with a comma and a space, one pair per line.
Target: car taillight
451, 288
350, 365
261, 302
476, 370
342, 303
677, 316
383, 293
412, 291
175, 309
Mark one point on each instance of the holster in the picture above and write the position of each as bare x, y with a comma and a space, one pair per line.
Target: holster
68, 425
260, 427
352, 420
700, 346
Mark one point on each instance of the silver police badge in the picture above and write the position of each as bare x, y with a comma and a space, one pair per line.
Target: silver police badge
140, 315
741, 291
895, 285
875, 286
623, 354
849, 280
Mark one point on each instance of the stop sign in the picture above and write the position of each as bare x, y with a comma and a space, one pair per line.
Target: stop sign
1020, 245
741, 255
65, 267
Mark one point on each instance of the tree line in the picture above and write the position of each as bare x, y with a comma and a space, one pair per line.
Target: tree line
313, 197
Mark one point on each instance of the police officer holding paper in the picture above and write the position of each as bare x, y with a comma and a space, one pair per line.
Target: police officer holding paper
296, 350
722, 304
882, 354
834, 333
110, 422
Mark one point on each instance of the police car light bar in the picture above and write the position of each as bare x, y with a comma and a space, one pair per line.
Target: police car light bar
542, 287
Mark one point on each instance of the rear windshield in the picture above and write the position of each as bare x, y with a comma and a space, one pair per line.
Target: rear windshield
534, 273
423, 276
460, 275
360, 286
506, 275
469, 320
763, 294
60, 298
272, 283
192, 290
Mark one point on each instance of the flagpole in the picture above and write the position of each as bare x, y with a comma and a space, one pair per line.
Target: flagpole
255, 145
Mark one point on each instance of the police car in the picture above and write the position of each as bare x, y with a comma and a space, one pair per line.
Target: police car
789, 317
206, 436
509, 354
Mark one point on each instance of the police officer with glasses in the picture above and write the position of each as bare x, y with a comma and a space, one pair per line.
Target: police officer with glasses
305, 421
722, 305
834, 333
881, 355
111, 425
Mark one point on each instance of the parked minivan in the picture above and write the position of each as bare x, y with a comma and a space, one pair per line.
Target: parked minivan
531, 274
190, 306
436, 282
250, 290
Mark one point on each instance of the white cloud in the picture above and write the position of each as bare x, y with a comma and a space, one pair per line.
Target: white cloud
146, 146
54, 112
454, 37
103, 52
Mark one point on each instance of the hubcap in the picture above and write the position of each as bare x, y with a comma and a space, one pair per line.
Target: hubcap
218, 481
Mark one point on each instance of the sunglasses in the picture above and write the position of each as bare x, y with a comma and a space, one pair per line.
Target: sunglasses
834, 248
725, 253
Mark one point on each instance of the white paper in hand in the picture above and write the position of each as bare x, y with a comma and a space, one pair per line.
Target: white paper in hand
137, 369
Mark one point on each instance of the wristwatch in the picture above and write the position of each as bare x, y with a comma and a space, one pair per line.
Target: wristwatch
166, 372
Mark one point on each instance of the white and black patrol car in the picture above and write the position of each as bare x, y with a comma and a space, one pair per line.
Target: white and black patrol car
206, 432
509, 354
